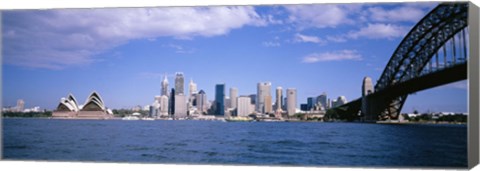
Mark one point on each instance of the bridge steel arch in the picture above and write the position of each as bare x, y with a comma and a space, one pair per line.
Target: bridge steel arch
417, 48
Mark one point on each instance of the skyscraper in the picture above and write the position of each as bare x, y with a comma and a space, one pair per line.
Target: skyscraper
227, 103
243, 106
263, 90
171, 103
268, 104
179, 83
233, 97
220, 99
192, 87
341, 100
202, 102
310, 104
367, 86
20, 105
164, 105
322, 99
164, 86
253, 99
291, 101
279, 99
180, 106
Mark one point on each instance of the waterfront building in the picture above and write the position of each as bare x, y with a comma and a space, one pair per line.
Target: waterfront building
278, 99
180, 106
291, 101
93, 108
284, 104
253, 99
341, 100
227, 103
157, 98
329, 104
152, 111
202, 102
220, 99
310, 104
243, 106
367, 86
171, 103
155, 107
322, 99
179, 83
192, 87
304, 107
20, 105
233, 97
164, 86
163, 105
263, 90
268, 104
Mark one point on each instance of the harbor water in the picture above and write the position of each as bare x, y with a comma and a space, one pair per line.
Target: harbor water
236, 143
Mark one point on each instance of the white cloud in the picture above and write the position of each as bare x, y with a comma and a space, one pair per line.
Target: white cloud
404, 13
56, 39
271, 44
332, 56
307, 39
379, 31
336, 38
320, 16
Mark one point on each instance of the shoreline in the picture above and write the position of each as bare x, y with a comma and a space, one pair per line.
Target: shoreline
390, 123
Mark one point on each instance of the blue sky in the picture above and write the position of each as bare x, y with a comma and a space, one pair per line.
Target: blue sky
123, 53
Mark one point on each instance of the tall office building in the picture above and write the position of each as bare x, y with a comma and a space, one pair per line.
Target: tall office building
267, 107
220, 99
155, 107
163, 105
253, 99
180, 106
367, 86
279, 99
263, 90
233, 97
243, 106
341, 100
291, 101
20, 105
202, 102
192, 88
310, 104
171, 103
227, 102
164, 86
322, 99
179, 83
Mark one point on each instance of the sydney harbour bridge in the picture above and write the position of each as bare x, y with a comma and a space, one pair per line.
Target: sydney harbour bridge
433, 53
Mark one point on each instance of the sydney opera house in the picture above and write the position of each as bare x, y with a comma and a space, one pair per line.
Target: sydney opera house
93, 108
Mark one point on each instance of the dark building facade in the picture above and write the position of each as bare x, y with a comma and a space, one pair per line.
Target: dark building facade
220, 99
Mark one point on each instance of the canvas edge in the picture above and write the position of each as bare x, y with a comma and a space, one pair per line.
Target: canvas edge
473, 86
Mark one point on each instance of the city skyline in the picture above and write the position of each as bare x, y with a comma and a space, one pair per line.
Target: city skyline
290, 46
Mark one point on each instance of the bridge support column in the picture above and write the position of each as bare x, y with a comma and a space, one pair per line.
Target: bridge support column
372, 108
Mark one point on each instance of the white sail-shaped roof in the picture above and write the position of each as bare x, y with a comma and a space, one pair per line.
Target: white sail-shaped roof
94, 102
